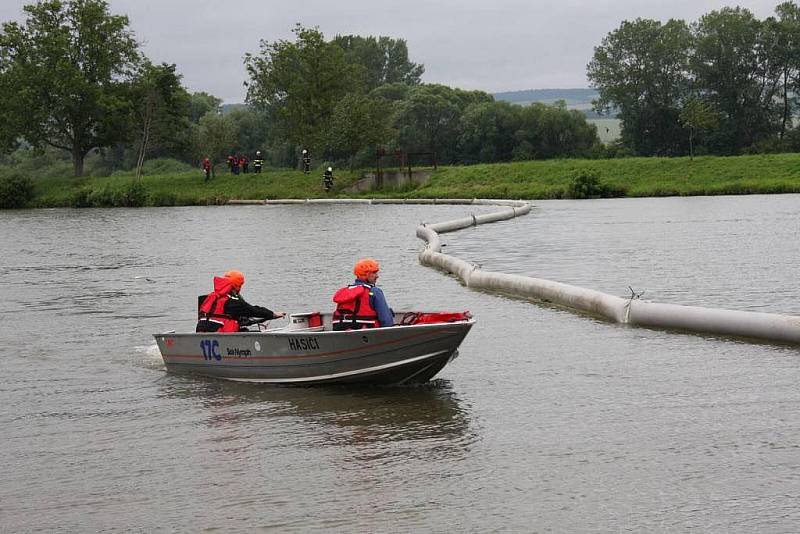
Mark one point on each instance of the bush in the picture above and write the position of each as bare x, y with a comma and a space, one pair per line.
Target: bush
101, 198
15, 192
133, 196
587, 184
82, 198
617, 149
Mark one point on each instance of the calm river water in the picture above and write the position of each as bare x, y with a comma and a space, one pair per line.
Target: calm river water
548, 421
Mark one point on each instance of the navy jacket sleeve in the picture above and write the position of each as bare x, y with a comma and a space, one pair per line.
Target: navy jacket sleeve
385, 315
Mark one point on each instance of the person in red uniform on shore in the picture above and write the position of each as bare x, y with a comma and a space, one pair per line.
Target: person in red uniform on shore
362, 303
223, 308
207, 168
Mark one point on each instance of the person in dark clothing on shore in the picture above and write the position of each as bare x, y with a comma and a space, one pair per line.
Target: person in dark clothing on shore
223, 308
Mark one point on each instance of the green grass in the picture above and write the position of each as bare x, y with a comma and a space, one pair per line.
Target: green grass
186, 187
634, 177
637, 177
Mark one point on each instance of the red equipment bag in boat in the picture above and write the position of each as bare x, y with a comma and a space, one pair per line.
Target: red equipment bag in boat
314, 319
434, 317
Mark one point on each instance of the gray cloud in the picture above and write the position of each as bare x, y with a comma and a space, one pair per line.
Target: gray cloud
502, 45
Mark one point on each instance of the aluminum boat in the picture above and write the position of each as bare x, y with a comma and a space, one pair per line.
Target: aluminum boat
308, 351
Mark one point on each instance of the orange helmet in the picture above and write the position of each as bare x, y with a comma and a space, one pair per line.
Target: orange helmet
236, 278
365, 266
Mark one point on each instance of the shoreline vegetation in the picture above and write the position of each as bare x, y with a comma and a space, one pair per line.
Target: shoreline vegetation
132, 135
170, 183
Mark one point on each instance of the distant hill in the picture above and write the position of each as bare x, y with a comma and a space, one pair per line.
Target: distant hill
227, 108
548, 96
580, 99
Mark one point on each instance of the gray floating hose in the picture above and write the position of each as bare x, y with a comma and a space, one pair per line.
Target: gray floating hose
765, 326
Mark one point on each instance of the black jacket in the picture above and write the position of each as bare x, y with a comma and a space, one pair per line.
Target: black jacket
238, 308
235, 308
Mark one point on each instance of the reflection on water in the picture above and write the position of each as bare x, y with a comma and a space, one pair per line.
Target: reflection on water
360, 415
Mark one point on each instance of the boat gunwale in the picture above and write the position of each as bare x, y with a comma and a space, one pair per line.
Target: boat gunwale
282, 332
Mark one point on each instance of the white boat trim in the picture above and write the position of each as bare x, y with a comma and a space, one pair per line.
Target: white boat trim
337, 375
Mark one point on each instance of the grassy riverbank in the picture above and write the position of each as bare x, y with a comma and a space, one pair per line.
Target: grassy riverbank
177, 188
637, 177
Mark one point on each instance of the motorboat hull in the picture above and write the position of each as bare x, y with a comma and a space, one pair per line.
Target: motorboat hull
394, 355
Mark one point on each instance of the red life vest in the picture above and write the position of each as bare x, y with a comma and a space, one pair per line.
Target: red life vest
213, 308
353, 308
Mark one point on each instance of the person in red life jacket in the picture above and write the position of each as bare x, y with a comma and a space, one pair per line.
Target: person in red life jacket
207, 167
222, 309
362, 304
243, 163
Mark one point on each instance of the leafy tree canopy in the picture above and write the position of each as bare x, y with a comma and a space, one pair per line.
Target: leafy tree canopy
641, 68
383, 60
63, 74
160, 115
202, 103
302, 80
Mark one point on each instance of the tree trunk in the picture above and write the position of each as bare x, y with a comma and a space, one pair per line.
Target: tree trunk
785, 102
146, 123
142, 151
77, 160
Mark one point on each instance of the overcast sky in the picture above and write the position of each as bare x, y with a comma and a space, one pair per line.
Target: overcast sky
491, 45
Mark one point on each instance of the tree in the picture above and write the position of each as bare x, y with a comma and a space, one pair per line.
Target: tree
552, 131
359, 121
393, 92
161, 109
201, 103
428, 121
251, 128
487, 132
642, 68
301, 82
62, 77
696, 115
214, 136
383, 60
733, 65
786, 44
